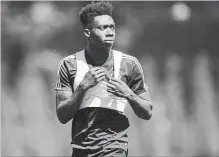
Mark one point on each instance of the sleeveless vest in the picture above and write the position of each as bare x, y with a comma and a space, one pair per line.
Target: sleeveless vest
98, 96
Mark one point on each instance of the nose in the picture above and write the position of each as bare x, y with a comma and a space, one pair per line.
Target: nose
110, 33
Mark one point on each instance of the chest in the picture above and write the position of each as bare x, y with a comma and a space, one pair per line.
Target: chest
114, 67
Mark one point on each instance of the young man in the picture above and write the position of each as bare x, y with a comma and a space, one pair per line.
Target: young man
96, 84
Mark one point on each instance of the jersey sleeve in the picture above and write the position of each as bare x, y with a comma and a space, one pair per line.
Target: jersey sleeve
63, 80
137, 81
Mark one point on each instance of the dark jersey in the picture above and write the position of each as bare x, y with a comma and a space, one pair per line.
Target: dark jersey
95, 128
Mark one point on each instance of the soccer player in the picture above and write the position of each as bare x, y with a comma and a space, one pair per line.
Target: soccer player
95, 85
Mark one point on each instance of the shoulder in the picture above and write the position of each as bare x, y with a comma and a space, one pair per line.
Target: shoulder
129, 59
68, 62
134, 62
132, 65
71, 59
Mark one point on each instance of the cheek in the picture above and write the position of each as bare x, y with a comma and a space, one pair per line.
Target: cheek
96, 40
98, 35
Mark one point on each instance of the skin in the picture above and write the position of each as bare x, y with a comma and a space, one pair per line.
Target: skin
141, 104
100, 38
68, 103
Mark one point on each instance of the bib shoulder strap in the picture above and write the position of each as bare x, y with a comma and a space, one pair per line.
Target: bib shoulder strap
82, 68
80, 56
117, 55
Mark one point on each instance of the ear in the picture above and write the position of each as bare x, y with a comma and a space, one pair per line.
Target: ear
87, 32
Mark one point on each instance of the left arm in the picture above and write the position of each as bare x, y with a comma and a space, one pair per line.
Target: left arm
141, 103
134, 90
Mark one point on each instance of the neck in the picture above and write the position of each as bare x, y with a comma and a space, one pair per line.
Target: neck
98, 55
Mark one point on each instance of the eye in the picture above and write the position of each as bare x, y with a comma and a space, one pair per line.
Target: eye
101, 27
112, 27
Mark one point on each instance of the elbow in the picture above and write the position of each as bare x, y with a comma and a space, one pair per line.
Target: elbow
61, 120
146, 116
149, 116
61, 117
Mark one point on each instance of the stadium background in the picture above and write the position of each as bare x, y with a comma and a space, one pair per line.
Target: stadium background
177, 44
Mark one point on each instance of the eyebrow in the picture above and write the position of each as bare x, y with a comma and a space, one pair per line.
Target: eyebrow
105, 25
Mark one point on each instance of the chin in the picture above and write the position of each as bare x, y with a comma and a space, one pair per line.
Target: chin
108, 45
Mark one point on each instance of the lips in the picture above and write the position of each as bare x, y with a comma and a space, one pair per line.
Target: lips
108, 40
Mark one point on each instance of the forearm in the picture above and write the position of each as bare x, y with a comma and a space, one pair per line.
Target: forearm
141, 107
68, 108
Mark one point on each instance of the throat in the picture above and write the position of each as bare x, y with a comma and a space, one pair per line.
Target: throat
96, 58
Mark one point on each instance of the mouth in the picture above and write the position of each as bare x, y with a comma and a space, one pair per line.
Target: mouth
108, 40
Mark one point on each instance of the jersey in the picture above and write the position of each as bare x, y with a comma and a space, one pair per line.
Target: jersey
98, 96
97, 128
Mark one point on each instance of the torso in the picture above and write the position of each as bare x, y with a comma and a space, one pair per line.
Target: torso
94, 127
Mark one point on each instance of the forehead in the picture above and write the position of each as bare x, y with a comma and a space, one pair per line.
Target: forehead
103, 20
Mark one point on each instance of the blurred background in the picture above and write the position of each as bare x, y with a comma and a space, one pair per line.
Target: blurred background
176, 42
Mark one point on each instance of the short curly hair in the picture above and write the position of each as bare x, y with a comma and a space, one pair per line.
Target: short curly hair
96, 8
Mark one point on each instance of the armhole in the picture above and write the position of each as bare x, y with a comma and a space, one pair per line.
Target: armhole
68, 85
76, 67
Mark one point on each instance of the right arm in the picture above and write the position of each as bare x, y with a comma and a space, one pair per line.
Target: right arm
68, 103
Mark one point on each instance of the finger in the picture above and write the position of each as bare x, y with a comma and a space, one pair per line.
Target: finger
95, 69
107, 76
100, 79
116, 80
114, 83
114, 92
99, 75
111, 86
99, 72
119, 94
111, 91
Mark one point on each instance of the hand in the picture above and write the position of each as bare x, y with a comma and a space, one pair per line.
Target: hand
93, 76
118, 88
